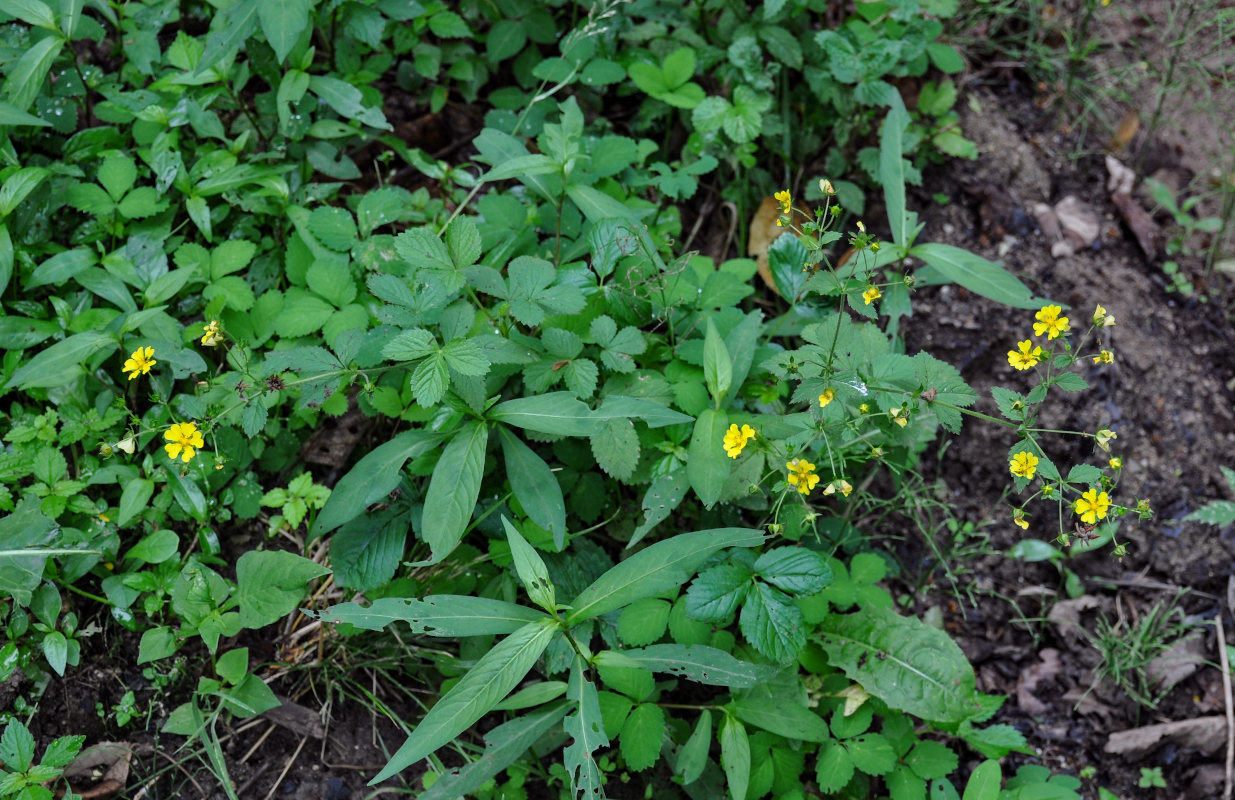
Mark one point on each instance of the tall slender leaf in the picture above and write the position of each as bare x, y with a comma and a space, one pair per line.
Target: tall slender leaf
535, 486
531, 569
372, 479
453, 489
707, 465
25, 78
658, 568
558, 413
735, 756
587, 729
975, 273
702, 664
495, 674
446, 615
892, 167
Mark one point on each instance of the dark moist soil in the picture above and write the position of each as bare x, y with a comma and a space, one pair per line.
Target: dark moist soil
1169, 397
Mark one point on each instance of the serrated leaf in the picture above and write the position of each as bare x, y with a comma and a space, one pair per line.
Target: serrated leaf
794, 569
1215, 512
773, 624
420, 248
17, 746
872, 753
642, 735
931, 760
430, 379
715, 594
616, 448
494, 675
909, 665
410, 345
643, 621
834, 769
463, 242
466, 358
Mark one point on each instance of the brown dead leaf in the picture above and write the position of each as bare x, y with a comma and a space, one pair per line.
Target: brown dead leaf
1204, 734
1034, 674
1085, 703
1067, 615
1179, 662
100, 771
764, 231
1119, 185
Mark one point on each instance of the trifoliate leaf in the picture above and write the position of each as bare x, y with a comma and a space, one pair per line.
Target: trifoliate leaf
773, 624
794, 569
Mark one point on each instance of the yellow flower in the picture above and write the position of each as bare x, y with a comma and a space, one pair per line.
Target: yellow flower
1024, 464
140, 362
736, 438
802, 475
1116, 463
864, 408
1026, 356
843, 486
1050, 323
214, 336
184, 439
871, 294
1022, 522
1104, 438
825, 186
861, 226
900, 416
1048, 491
1092, 506
1104, 357
1099, 317
828, 396
786, 205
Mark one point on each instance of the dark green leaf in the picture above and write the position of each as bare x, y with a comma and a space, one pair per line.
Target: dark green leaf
372, 478
707, 465
735, 756
535, 486
701, 664
270, 585
794, 569
693, 756
453, 490
642, 735
445, 615
773, 624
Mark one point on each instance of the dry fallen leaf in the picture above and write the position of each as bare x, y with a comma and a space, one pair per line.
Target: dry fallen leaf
764, 231
1119, 185
100, 771
1205, 734
1031, 676
1127, 128
1179, 662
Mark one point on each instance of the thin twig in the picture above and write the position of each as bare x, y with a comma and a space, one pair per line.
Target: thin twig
261, 740
1230, 711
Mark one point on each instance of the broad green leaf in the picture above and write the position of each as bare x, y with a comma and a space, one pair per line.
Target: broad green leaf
658, 568
787, 262
707, 465
987, 278
156, 643
534, 485
155, 548
56, 651
872, 753
283, 22
643, 621
25, 77
228, 31
930, 759
735, 756
693, 756
17, 746
834, 769
32, 12
714, 595
779, 713
904, 662
453, 490
503, 746
717, 366
18, 186
133, 499
531, 569
794, 569
366, 551
773, 623
892, 168
485, 684
62, 363
372, 478
558, 413
984, 782
642, 735
587, 731
445, 615
597, 206
701, 664
616, 448
270, 585
346, 99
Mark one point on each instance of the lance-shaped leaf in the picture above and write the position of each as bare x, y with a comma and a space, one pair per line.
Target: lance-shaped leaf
453, 489
663, 566
446, 615
372, 479
587, 729
702, 664
558, 413
535, 486
495, 674
531, 568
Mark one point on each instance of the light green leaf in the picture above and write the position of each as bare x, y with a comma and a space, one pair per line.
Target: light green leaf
779, 713
32, 12
701, 664
283, 22
587, 731
494, 675
56, 651
984, 782
892, 169
658, 568
559, 413
535, 486
453, 490
155, 548
693, 756
133, 499
346, 99
531, 569
503, 747
717, 366
228, 31
987, 278
641, 736
446, 615
25, 78
61, 363
707, 466
904, 662
735, 756
18, 186
270, 585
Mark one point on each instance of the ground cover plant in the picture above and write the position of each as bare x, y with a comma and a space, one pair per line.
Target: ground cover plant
477, 419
